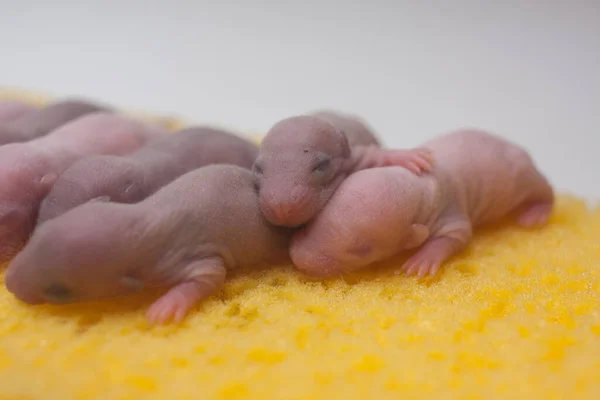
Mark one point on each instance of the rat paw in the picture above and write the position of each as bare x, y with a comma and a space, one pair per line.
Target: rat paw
421, 264
536, 215
417, 160
173, 306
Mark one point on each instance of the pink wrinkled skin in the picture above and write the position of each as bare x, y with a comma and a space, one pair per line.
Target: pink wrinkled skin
378, 213
30, 124
187, 237
28, 170
135, 176
303, 159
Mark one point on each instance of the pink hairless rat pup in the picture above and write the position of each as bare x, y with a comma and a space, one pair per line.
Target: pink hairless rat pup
32, 124
29, 170
133, 177
377, 213
303, 159
186, 237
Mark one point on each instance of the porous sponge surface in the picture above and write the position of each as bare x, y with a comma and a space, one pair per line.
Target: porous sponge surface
517, 315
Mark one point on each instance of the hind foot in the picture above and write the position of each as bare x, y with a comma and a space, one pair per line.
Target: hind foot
536, 215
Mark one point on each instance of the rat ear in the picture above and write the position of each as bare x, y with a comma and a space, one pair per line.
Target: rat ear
417, 236
131, 285
344, 143
47, 181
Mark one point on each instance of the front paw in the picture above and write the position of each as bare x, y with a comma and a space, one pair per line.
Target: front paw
418, 160
173, 306
421, 264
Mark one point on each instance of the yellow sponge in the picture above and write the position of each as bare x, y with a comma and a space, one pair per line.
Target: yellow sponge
517, 315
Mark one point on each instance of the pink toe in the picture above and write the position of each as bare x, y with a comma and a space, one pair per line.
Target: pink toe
180, 314
168, 313
151, 316
158, 313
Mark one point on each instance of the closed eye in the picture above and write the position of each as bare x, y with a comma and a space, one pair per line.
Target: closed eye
257, 169
321, 166
58, 293
129, 185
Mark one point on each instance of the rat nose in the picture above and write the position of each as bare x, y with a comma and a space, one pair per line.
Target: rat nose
281, 211
315, 264
287, 208
312, 259
58, 293
21, 290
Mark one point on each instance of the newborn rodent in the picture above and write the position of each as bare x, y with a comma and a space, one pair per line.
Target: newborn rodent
28, 170
32, 125
303, 159
185, 237
478, 179
133, 177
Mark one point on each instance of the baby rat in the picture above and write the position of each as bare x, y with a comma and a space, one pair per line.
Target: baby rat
40, 122
184, 237
11, 110
135, 176
303, 159
478, 179
28, 170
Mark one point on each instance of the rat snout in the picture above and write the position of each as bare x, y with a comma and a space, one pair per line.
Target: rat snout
28, 297
287, 208
21, 289
316, 265
278, 213
309, 260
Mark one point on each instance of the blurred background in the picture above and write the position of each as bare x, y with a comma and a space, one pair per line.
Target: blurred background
527, 70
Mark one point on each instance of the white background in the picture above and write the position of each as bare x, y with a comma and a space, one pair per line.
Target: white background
528, 70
